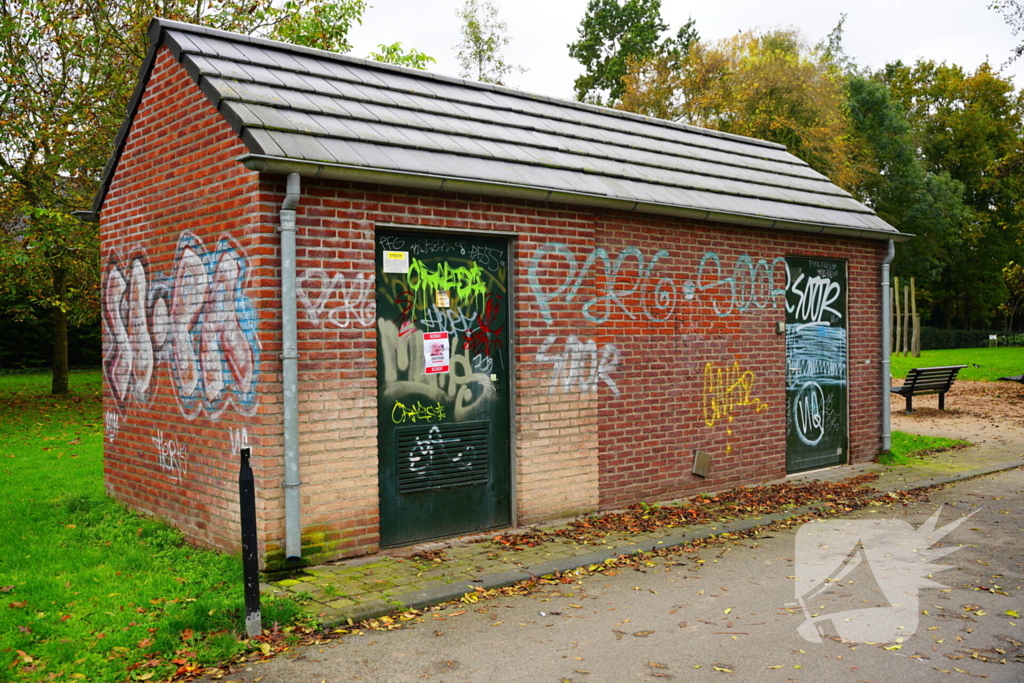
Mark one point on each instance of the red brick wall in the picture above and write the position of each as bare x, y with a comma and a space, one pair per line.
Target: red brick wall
611, 394
616, 335
184, 270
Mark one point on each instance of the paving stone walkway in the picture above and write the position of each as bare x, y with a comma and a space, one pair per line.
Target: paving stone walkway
437, 572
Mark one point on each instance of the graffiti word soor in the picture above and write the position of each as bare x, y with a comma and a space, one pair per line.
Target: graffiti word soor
731, 290
336, 300
580, 364
198, 319
725, 390
814, 299
433, 447
417, 412
642, 293
171, 455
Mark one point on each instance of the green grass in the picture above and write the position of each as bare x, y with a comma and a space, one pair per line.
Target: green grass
906, 447
88, 589
994, 362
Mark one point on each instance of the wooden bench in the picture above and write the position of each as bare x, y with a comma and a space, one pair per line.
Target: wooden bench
928, 381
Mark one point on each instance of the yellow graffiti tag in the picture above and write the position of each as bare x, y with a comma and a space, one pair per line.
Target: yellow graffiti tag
726, 389
417, 412
466, 282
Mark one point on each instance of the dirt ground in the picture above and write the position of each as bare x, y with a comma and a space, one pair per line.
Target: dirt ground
976, 411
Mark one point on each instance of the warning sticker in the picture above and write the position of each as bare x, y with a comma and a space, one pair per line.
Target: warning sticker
396, 262
436, 351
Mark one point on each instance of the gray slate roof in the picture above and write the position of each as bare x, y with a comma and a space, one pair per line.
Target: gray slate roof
328, 115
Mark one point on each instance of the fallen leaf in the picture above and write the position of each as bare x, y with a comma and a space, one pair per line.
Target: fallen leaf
18, 605
1011, 613
643, 634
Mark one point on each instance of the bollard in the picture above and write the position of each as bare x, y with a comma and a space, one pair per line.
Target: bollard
250, 561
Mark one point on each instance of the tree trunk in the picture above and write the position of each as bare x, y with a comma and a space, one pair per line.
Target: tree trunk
60, 333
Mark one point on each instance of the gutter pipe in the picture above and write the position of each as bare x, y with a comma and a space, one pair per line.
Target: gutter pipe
886, 349
290, 361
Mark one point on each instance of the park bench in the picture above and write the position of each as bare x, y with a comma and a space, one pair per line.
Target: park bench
928, 381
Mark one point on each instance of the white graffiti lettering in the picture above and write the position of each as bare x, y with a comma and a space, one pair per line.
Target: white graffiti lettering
336, 300
198, 320
580, 365
172, 456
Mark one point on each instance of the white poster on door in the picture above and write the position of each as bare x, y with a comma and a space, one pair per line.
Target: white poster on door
436, 352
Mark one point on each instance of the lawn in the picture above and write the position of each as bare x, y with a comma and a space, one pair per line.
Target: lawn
992, 363
90, 591
906, 447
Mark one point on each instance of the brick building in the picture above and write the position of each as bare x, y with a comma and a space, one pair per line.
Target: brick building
433, 306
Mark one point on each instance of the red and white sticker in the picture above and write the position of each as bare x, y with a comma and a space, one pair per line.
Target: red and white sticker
436, 352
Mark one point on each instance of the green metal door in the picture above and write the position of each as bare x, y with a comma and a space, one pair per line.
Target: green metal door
816, 377
442, 386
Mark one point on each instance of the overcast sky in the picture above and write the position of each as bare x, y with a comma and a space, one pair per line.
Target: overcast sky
964, 32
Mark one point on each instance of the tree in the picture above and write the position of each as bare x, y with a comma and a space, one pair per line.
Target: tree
1013, 15
1013, 276
969, 126
68, 68
396, 54
769, 86
614, 33
483, 37
901, 191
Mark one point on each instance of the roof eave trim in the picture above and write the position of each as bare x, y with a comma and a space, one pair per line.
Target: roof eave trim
263, 163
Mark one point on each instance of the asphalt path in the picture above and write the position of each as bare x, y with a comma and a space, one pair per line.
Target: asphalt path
731, 611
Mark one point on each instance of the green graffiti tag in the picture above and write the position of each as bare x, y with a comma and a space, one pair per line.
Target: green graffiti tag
417, 412
467, 283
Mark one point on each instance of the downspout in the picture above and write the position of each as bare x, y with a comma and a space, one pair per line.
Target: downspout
886, 350
290, 360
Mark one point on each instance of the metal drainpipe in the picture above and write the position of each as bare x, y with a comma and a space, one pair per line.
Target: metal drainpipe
886, 349
290, 359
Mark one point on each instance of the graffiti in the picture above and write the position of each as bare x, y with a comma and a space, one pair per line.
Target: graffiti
488, 257
198, 320
451, 320
815, 299
748, 283
483, 364
389, 243
580, 364
808, 413
112, 425
417, 412
130, 354
336, 300
816, 349
403, 373
725, 390
648, 295
239, 439
171, 455
466, 281
485, 339
434, 447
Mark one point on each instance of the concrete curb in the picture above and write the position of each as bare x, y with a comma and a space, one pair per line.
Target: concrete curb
432, 596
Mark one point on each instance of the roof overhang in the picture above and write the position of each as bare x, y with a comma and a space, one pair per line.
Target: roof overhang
435, 183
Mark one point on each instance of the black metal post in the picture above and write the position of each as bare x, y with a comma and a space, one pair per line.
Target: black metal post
250, 560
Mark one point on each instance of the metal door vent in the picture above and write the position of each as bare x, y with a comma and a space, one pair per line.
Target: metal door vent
441, 455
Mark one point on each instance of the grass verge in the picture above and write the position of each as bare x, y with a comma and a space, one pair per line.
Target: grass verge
906, 447
90, 591
993, 362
